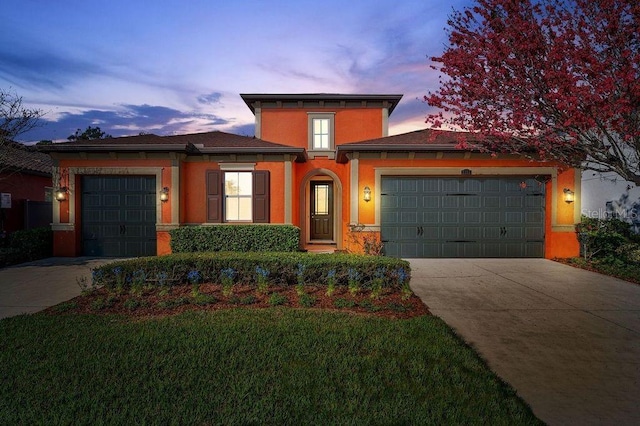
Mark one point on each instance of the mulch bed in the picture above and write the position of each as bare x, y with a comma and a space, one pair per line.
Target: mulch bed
180, 299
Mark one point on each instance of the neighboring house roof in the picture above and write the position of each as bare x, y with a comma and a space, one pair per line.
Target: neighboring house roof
17, 157
419, 140
317, 99
193, 144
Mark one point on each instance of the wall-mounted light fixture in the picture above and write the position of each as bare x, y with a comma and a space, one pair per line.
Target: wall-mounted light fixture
61, 193
568, 196
164, 194
366, 194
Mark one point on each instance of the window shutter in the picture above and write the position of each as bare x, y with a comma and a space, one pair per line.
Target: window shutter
214, 196
261, 196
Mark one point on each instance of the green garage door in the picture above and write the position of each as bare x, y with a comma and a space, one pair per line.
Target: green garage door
118, 216
462, 217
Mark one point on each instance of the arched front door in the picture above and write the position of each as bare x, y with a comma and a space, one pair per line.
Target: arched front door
321, 208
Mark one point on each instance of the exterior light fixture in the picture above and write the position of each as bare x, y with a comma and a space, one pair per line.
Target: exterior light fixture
366, 194
568, 196
61, 193
164, 194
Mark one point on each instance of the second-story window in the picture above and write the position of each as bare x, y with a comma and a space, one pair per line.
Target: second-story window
321, 133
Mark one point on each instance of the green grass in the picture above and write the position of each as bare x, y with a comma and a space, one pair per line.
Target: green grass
243, 366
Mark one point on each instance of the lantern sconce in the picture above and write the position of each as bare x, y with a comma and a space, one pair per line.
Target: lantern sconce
61, 193
366, 194
164, 194
568, 196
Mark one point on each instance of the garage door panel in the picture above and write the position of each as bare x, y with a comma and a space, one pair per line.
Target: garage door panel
491, 217
408, 233
464, 217
472, 217
409, 217
431, 249
430, 232
431, 202
111, 200
491, 202
390, 217
430, 217
513, 217
450, 185
389, 202
450, 217
450, 202
471, 249
429, 186
450, 233
472, 202
408, 249
472, 233
491, 185
409, 202
409, 185
111, 216
513, 202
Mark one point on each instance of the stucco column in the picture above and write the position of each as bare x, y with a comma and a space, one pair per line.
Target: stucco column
353, 190
288, 196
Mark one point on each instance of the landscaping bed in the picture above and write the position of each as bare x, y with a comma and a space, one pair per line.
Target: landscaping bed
210, 297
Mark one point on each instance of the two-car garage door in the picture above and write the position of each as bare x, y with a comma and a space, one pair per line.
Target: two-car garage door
462, 217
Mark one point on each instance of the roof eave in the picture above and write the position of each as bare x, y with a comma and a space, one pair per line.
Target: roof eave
300, 153
343, 150
114, 148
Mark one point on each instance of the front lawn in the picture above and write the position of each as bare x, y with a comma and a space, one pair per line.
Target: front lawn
246, 366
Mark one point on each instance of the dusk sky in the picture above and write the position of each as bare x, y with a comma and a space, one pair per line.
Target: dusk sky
174, 67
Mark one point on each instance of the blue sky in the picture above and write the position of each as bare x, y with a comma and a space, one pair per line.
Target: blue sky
172, 67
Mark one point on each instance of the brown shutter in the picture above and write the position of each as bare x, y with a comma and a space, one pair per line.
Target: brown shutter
215, 196
261, 196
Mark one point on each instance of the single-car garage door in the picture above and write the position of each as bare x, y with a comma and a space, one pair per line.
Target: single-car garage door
118, 216
462, 217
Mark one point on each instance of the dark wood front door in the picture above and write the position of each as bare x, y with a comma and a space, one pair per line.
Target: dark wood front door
322, 210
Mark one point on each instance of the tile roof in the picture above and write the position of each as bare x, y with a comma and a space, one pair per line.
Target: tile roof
419, 137
27, 159
195, 143
419, 140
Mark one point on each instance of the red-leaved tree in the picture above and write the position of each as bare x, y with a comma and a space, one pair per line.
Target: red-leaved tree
551, 79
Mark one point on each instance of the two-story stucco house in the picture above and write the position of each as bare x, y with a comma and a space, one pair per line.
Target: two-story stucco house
321, 162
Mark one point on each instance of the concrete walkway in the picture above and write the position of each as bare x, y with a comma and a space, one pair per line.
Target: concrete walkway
566, 339
34, 286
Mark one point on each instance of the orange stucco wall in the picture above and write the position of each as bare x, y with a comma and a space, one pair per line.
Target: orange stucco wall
290, 126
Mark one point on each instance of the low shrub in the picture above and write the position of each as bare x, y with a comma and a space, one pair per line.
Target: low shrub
241, 238
286, 269
604, 238
27, 245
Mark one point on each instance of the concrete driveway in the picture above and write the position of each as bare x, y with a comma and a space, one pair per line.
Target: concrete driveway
566, 339
34, 286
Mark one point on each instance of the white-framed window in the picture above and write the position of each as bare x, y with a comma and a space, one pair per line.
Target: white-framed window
238, 192
321, 134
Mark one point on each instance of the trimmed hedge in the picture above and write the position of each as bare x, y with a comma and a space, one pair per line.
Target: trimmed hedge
283, 269
241, 238
27, 245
